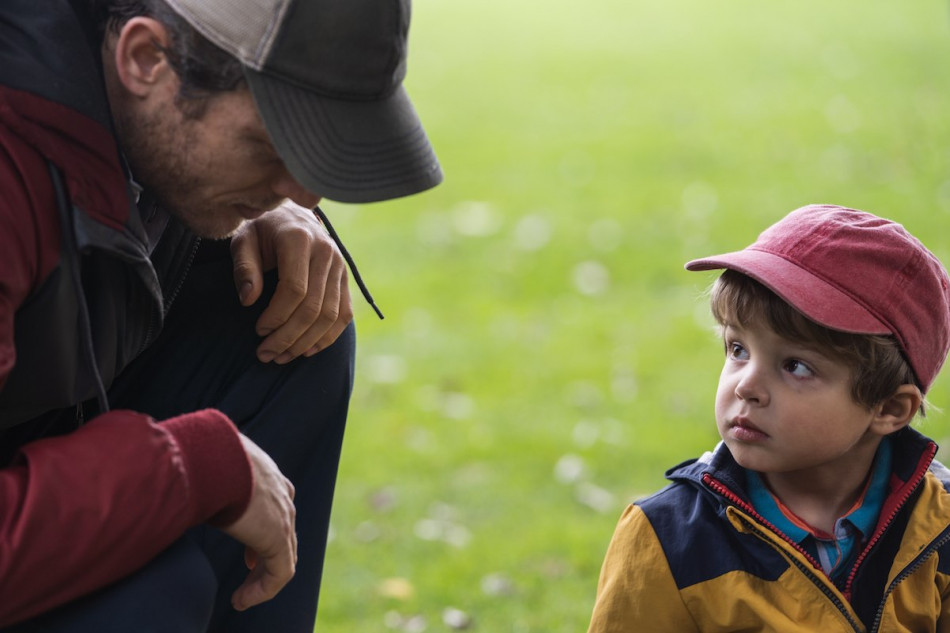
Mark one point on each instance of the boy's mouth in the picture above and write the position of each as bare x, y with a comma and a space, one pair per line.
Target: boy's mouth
744, 430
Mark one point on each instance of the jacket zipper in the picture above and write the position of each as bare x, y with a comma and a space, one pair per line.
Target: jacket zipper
914, 482
910, 569
181, 280
167, 304
718, 487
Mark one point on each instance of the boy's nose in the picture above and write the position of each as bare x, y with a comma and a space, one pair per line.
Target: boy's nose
751, 388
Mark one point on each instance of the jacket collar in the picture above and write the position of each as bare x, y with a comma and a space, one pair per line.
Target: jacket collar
913, 452
52, 95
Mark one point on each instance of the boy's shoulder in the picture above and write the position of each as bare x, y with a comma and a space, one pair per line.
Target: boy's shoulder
685, 483
942, 473
694, 533
688, 506
689, 482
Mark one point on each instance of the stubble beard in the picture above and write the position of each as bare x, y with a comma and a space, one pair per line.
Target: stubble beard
159, 151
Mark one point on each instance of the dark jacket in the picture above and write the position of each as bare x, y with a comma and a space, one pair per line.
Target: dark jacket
119, 306
80, 296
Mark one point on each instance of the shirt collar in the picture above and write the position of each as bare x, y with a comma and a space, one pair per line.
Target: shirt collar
862, 517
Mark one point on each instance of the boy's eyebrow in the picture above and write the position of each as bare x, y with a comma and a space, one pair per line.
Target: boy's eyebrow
815, 349
808, 346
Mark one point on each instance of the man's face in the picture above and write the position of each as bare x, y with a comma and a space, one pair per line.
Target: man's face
213, 171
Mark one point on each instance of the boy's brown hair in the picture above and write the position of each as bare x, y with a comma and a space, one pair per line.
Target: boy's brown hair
878, 366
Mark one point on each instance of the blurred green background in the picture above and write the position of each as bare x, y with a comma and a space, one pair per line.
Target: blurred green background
544, 357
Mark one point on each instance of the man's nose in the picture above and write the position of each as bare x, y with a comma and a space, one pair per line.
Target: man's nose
287, 187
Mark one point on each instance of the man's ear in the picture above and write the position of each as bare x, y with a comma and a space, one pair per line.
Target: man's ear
140, 61
897, 410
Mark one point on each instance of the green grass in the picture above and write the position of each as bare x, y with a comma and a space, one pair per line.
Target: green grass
502, 417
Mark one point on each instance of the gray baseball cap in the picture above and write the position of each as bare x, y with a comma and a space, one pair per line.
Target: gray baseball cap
326, 76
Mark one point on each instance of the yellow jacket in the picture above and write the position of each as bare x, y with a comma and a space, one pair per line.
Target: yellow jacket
696, 557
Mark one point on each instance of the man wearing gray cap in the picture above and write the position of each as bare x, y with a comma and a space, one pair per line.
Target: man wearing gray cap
176, 352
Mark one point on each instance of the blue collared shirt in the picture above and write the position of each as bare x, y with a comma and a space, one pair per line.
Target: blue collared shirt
835, 552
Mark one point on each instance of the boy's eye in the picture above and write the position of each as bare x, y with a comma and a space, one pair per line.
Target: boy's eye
798, 368
736, 351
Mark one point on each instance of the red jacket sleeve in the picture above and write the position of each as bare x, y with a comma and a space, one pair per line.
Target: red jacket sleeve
82, 510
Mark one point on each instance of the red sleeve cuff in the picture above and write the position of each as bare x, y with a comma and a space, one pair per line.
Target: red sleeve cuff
218, 470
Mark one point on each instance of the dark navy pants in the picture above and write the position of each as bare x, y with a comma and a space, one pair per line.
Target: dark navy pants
296, 412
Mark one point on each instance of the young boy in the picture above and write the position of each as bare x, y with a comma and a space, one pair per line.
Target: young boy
821, 510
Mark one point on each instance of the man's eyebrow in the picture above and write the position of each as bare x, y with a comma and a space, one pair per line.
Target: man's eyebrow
256, 138
263, 143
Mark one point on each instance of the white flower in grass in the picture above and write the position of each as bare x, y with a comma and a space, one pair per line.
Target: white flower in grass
498, 585
570, 469
532, 232
415, 624
457, 536
457, 406
475, 219
387, 369
595, 497
456, 619
585, 434
429, 529
591, 278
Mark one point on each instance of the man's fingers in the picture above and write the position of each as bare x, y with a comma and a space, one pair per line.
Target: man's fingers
265, 581
294, 281
248, 266
319, 319
250, 558
295, 337
311, 304
267, 529
343, 319
327, 339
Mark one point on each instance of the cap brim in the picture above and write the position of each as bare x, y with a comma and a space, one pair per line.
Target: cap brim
348, 151
814, 297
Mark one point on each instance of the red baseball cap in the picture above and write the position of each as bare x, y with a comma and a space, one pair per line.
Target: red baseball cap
852, 271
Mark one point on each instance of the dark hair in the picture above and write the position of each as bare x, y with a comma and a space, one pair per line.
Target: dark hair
878, 366
203, 68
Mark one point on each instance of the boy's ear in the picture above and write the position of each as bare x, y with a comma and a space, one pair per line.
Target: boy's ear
140, 61
897, 410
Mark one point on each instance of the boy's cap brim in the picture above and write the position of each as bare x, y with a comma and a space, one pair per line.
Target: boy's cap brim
818, 300
856, 272
348, 151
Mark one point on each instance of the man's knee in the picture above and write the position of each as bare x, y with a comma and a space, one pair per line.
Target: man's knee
174, 593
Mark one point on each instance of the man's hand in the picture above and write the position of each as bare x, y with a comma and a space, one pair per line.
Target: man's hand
267, 530
311, 305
